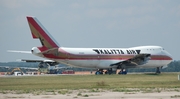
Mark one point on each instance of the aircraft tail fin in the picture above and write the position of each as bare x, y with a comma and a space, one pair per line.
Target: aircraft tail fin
39, 32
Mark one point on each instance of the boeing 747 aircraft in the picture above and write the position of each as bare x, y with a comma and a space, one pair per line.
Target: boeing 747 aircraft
110, 59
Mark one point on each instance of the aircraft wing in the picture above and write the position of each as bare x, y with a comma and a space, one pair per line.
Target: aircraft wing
139, 59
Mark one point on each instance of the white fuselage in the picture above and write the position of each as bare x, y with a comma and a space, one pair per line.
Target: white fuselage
104, 57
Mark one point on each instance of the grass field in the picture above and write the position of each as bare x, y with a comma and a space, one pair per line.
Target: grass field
165, 80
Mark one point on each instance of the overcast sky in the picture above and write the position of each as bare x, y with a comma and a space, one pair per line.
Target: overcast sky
90, 23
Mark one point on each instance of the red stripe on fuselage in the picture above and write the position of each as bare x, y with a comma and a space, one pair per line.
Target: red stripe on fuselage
119, 58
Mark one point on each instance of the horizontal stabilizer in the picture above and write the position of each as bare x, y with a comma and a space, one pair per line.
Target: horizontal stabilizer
30, 60
29, 52
49, 62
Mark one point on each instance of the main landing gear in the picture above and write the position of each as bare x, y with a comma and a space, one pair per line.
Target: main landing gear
122, 69
122, 72
111, 71
99, 72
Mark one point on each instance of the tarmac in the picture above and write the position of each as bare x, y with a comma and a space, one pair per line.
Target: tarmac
96, 95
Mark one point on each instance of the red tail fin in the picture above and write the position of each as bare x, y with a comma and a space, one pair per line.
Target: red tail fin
38, 31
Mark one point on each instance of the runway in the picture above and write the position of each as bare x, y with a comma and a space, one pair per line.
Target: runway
95, 95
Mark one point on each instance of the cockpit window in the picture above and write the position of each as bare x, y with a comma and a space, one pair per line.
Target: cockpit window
161, 48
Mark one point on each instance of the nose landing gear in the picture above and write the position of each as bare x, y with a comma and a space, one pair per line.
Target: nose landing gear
158, 70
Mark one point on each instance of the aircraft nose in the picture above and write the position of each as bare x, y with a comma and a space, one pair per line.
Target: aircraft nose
169, 56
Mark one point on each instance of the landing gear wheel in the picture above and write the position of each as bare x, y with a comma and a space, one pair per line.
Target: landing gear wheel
123, 72
99, 72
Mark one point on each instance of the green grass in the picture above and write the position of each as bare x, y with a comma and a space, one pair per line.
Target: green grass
75, 82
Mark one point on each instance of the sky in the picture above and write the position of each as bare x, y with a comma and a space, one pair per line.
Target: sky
90, 23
